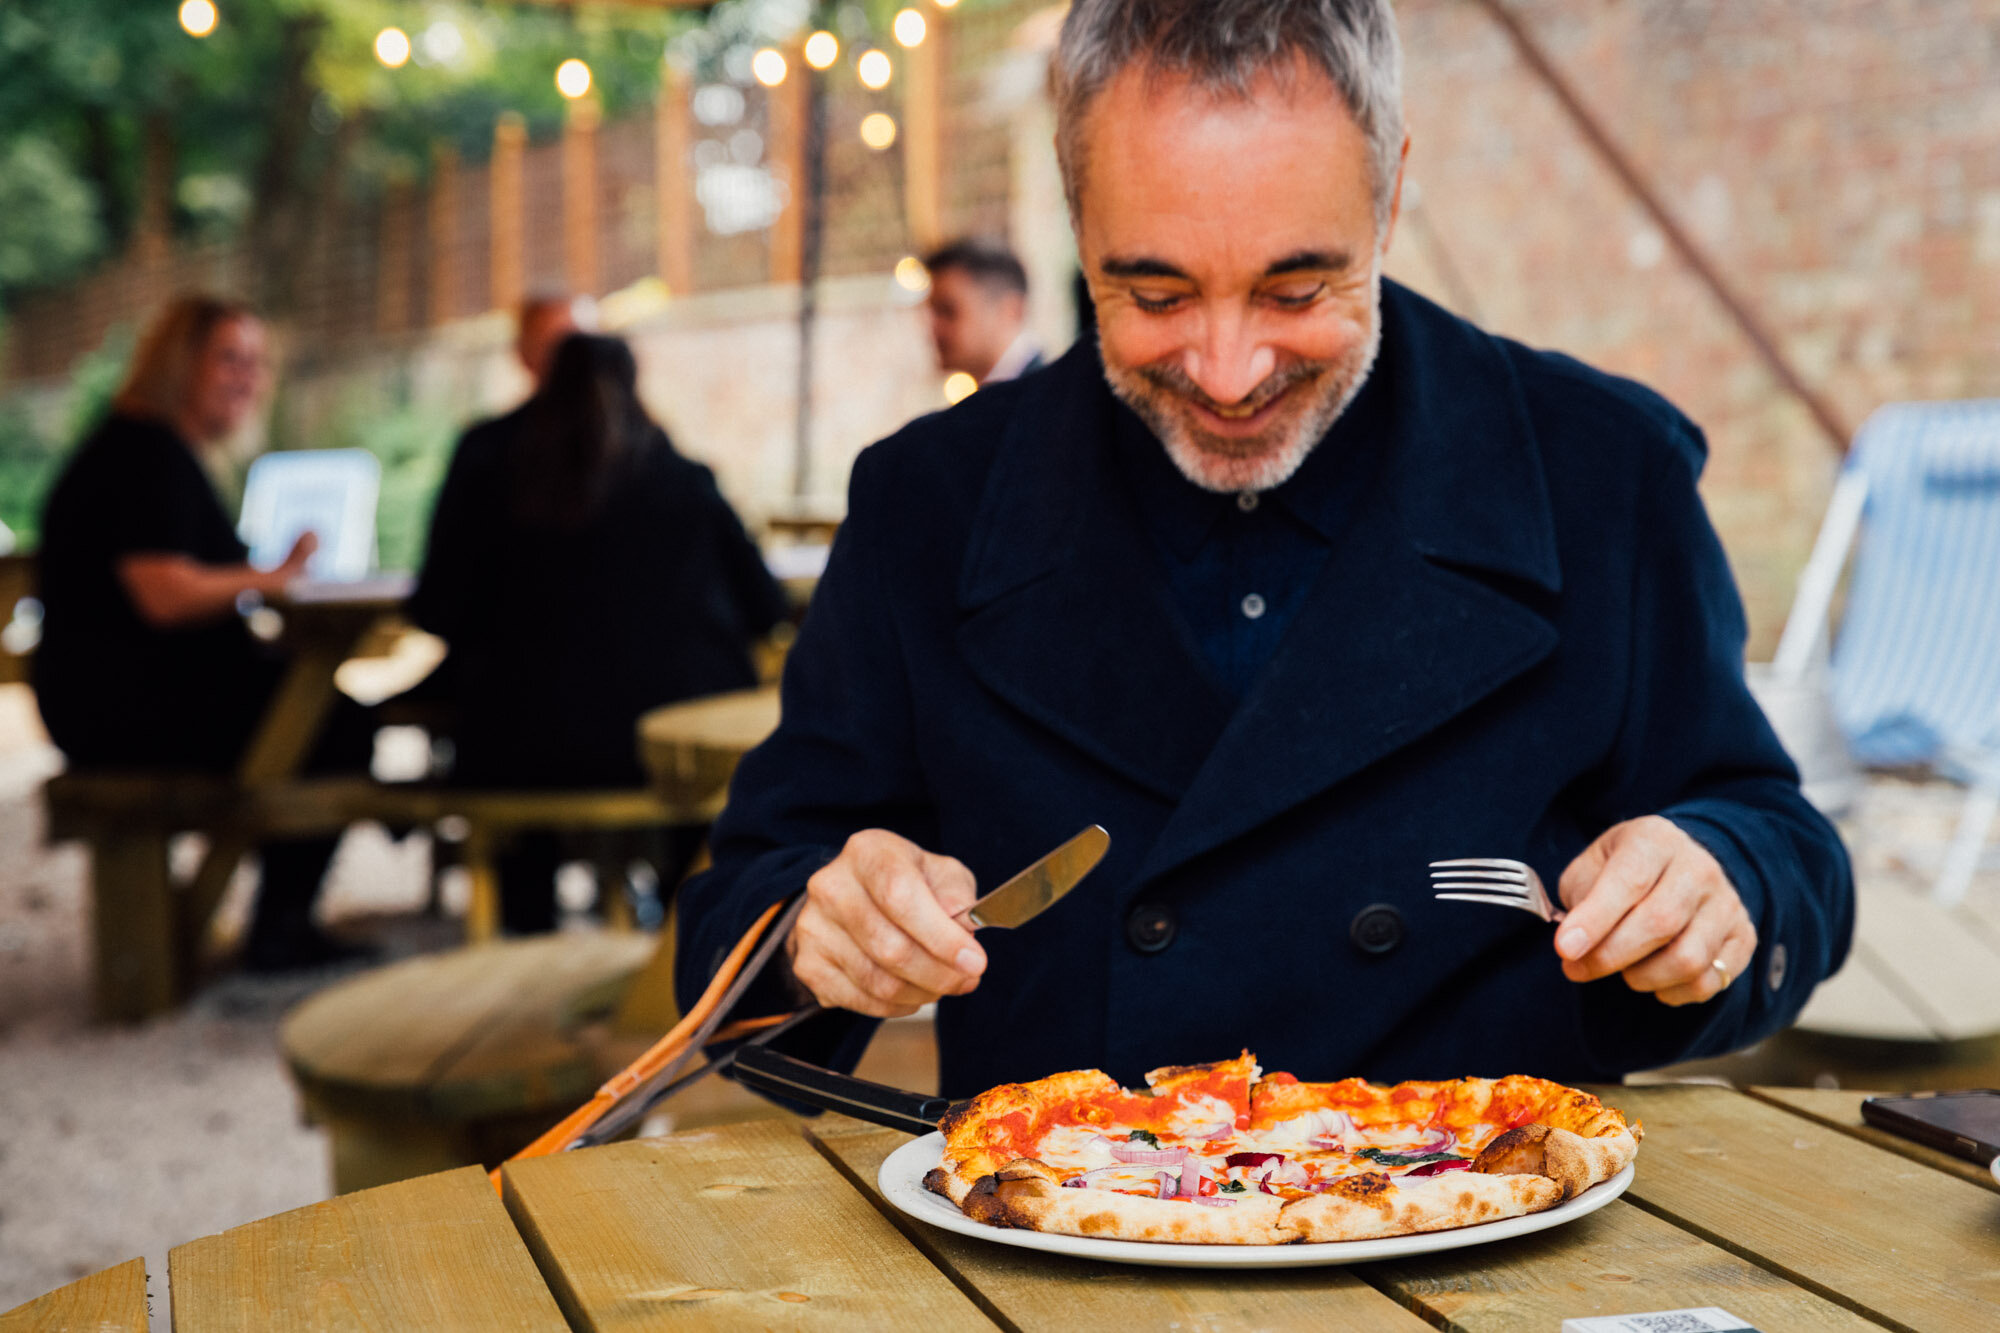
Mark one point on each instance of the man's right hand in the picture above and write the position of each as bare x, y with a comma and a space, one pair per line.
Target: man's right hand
876, 934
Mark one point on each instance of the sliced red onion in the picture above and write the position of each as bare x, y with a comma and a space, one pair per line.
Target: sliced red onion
1221, 1131
1191, 1177
1438, 1140
1439, 1168
1089, 1179
1331, 1130
1211, 1201
1124, 1152
1288, 1173
1252, 1159
1168, 1185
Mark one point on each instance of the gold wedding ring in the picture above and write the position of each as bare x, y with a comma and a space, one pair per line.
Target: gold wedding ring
1726, 978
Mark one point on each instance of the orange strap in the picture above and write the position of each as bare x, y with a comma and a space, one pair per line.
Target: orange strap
663, 1052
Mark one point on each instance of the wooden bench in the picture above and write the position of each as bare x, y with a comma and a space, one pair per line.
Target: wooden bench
149, 930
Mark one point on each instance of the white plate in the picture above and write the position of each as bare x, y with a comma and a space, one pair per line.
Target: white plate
1996, 1165
902, 1182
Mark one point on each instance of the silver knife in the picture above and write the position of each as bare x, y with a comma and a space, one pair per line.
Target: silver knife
1038, 887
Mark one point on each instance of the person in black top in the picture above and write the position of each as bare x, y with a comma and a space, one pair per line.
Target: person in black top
583, 571
144, 662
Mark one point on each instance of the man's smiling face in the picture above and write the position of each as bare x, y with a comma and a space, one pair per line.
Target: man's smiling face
1231, 249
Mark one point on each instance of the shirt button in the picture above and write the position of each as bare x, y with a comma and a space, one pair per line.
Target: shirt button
1776, 975
1253, 606
1150, 929
1377, 929
1246, 500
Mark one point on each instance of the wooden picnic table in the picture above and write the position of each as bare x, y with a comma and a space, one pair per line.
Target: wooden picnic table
1775, 1204
692, 749
324, 625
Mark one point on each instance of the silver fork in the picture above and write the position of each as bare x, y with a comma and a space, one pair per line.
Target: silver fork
1501, 883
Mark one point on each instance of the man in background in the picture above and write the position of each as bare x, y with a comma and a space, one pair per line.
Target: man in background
978, 308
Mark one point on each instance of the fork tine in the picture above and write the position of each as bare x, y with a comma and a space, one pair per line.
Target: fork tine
1484, 863
1497, 892
1490, 876
1486, 898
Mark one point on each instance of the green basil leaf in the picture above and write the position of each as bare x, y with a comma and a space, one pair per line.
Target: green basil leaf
1233, 1187
1387, 1158
1145, 1136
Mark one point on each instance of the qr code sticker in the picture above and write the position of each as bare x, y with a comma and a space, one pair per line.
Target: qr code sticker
1674, 1321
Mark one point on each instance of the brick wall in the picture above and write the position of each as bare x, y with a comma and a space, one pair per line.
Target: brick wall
1839, 161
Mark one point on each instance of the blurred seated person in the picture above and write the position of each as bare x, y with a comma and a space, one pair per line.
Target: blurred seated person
978, 307
583, 572
144, 661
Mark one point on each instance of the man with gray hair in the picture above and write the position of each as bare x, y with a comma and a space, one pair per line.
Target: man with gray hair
1295, 583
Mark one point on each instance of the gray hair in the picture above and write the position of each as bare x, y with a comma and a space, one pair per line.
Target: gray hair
1223, 45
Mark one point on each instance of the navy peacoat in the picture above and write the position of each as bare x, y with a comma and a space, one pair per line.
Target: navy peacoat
1530, 633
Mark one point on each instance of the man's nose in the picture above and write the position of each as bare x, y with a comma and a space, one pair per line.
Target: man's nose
1228, 361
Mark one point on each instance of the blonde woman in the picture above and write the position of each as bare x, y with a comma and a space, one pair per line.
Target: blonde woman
144, 662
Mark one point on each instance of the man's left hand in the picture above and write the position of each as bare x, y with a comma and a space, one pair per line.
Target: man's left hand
1647, 900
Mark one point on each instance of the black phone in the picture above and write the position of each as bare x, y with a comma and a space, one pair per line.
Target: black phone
1964, 1124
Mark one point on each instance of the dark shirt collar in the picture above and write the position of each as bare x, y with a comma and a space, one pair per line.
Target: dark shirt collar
1182, 516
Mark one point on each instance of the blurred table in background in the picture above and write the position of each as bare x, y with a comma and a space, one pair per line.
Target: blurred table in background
692, 749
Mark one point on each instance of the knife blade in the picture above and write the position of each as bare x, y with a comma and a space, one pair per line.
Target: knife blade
1038, 887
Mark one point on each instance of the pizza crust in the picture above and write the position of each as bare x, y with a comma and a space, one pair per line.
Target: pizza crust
1022, 1196
1371, 1205
1573, 1162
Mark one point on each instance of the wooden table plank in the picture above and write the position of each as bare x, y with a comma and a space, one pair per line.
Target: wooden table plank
1618, 1260
1840, 1108
1029, 1290
113, 1301
738, 1227
437, 1253
1903, 1244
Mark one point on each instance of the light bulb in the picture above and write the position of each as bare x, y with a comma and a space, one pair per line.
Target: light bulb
910, 28
822, 49
572, 79
392, 47
769, 67
874, 70
198, 18
878, 130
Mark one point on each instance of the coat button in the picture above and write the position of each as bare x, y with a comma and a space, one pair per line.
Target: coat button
1377, 928
1776, 974
1150, 929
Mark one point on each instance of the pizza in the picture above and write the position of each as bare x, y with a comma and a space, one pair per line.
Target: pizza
1224, 1154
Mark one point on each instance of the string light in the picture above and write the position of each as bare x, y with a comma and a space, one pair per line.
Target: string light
198, 18
912, 276
572, 79
910, 28
874, 70
878, 130
392, 47
959, 386
769, 67
822, 49
944, 4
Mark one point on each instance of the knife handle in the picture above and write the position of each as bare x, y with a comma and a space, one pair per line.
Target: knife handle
781, 1075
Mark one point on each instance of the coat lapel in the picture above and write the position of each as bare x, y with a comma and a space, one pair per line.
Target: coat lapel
1406, 626
1065, 614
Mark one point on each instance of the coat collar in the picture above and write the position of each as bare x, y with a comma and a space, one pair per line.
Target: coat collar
1066, 615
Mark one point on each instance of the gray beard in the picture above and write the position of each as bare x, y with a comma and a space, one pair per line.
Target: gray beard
1260, 464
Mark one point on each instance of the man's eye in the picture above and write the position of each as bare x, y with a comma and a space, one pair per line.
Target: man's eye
1155, 301
1296, 298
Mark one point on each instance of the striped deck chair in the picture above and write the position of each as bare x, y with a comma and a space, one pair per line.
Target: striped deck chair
1914, 675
